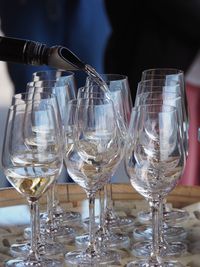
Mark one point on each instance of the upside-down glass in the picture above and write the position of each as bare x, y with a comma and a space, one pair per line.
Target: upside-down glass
31, 161
94, 154
154, 162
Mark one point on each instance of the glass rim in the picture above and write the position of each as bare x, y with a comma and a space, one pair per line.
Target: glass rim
69, 73
121, 76
78, 100
30, 93
151, 82
46, 84
178, 71
12, 107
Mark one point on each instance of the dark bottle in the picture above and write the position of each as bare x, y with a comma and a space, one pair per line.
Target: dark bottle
35, 53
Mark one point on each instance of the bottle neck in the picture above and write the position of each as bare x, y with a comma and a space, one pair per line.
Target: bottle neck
35, 53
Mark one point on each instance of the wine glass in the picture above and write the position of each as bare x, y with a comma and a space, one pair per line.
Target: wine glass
64, 92
32, 160
93, 154
170, 80
154, 162
63, 85
108, 233
62, 77
171, 235
49, 246
119, 90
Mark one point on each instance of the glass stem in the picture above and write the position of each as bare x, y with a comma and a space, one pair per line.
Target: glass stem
109, 204
56, 204
102, 207
50, 194
155, 209
38, 222
51, 222
161, 221
34, 207
92, 217
91, 247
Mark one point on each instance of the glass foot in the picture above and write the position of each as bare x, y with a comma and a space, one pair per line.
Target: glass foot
40, 263
144, 248
86, 223
64, 234
114, 240
65, 217
125, 224
148, 263
120, 224
51, 248
70, 217
175, 216
170, 217
171, 234
20, 250
83, 259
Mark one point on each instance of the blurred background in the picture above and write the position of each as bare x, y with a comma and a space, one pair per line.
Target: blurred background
110, 35
82, 26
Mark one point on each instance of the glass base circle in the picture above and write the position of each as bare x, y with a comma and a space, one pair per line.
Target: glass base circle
171, 234
27, 233
70, 217
113, 241
41, 263
80, 258
65, 217
20, 250
125, 224
86, 223
51, 248
144, 248
173, 216
64, 234
121, 224
146, 263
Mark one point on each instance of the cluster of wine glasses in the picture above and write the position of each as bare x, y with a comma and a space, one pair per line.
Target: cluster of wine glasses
53, 125
90, 131
155, 157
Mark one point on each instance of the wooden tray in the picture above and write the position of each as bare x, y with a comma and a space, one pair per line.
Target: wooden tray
180, 197
125, 198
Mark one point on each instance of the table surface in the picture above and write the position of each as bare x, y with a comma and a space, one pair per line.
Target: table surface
14, 214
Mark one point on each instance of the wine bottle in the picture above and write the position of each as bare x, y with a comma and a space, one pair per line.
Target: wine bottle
36, 53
